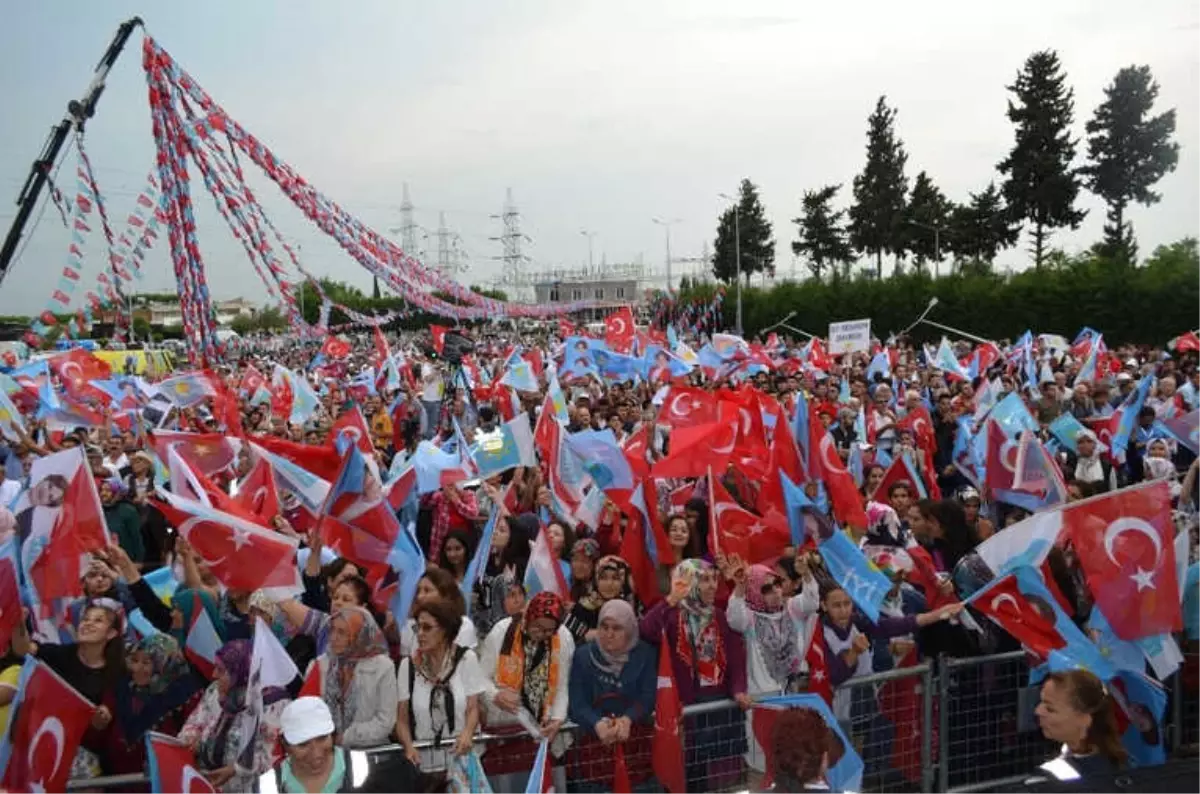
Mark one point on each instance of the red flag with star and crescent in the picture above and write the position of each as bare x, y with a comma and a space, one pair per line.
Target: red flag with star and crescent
619, 330
173, 766
77, 369
78, 528
667, 743
687, 406
48, 725
1125, 544
1028, 623
258, 494
826, 465
735, 530
241, 555
438, 332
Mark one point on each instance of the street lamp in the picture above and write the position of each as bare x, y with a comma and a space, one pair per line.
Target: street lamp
589, 235
737, 254
667, 227
937, 242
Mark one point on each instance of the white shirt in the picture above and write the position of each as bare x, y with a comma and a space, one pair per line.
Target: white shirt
115, 466
431, 390
490, 654
801, 609
467, 681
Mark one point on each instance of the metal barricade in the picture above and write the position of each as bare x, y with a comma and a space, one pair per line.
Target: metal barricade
886, 716
987, 734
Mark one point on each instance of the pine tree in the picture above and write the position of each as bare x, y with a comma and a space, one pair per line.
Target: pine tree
1128, 152
879, 191
982, 227
926, 222
822, 235
1042, 185
748, 220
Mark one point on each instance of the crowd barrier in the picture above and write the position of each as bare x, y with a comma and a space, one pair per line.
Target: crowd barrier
961, 725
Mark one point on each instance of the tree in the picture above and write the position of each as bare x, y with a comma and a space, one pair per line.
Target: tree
926, 222
822, 234
1128, 152
1042, 185
141, 328
748, 221
880, 189
981, 228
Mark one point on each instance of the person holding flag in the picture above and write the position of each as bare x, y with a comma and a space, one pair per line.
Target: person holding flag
709, 663
214, 729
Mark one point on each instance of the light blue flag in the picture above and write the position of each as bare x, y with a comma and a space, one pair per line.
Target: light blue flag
508, 448
855, 464
795, 501
602, 458
1129, 411
1066, 428
847, 773
479, 561
847, 565
1145, 701
408, 561
429, 463
558, 401
1012, 415
880, 364
519, 376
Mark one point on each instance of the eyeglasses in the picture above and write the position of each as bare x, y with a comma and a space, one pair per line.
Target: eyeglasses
426, 627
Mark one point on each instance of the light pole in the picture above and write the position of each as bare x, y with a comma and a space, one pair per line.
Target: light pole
589, 235
937, 242
737, 254
667, 227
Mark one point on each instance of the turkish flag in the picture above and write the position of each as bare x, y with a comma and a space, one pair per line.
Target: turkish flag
350, 427
565, 328
818, 356
48, 726
619, 329
1125, 544
323, 461
282, 397
241, 555
252, 380
1001, 470
667, 743
637, 448
738, 531
1187, 342
438, 332
257, 493
173, 766
900, 703
825, 464
1030, 624
76, 369
312, 686
693, 450
335, 348
10, 593
78, 528
207, 453
687, 406
919, 422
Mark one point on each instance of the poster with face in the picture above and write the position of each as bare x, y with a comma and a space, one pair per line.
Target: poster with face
59, 519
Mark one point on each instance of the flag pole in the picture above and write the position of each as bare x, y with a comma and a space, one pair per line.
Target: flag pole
952, 330
928, 308
798, 331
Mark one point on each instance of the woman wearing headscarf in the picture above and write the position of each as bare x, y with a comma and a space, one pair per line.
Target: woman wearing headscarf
122, 519
527, 663
157, 693
777, 630
613, 681
708, 659
358, 679
612, 580
1086, 465
214, 729
584, 553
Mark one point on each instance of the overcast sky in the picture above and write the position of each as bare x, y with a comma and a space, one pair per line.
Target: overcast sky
599, 115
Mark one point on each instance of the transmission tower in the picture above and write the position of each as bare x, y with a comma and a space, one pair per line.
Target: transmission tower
408, 229
445, 267
513, 274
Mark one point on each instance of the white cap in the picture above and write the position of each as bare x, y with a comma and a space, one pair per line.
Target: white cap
1124, 377
305, 719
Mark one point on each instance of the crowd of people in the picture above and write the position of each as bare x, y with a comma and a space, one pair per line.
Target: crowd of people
495, 644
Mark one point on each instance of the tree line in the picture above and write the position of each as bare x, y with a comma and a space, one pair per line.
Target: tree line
1146, 305
1129, 149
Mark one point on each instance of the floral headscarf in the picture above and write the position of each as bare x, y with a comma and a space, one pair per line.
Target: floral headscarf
698, 640
366, 641
692, 603
586, 547
883, 525
234, 656
774, 630
166, 660
545, 605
